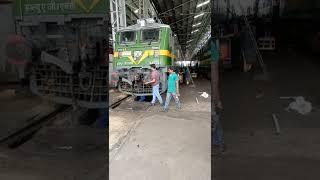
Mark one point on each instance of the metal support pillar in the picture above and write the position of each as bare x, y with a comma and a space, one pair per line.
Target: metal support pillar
140, 9
145, 7
214, 65
118, 16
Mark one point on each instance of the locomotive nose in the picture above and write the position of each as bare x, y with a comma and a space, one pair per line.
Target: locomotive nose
17, 50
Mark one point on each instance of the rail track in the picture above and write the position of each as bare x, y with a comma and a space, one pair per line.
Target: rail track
25, 133
118, 102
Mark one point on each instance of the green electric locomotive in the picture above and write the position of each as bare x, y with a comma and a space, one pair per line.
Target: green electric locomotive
204, 60
138, 46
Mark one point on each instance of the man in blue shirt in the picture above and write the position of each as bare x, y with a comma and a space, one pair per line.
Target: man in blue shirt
173, 90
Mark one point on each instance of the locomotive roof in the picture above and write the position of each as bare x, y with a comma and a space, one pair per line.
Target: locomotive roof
147, 26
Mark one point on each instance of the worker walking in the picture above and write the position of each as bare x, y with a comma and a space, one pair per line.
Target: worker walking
173, 90
155, 82
188, 76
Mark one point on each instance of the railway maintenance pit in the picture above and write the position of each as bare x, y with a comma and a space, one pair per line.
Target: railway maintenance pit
148, 143
44, 140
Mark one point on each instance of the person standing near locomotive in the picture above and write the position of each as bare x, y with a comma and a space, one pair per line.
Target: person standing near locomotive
155, 82
173, 90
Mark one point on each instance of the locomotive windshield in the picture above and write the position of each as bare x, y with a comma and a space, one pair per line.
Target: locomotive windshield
127, 37
150, 35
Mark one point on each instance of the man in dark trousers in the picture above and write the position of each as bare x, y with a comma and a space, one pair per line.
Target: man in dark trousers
173, 90
155, 81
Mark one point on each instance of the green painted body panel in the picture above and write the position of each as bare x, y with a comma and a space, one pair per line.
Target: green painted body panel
205, 62
60, 7
165, 44
205, 57
160, 61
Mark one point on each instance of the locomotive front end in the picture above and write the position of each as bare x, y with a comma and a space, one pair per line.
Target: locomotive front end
136, 48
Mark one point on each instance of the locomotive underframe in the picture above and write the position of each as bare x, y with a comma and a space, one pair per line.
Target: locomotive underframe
63, 69
131, 81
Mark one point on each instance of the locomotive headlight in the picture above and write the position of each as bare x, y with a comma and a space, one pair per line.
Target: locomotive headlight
156, 53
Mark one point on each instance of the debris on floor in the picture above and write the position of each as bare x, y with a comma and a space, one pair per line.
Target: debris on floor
197, 100
300, 105
205, 95
276, 123
65, 147
289, 97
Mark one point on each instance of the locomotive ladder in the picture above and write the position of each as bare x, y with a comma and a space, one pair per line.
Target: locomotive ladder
260, 60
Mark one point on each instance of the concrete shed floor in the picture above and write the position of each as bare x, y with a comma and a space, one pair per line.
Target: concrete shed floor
253, 149
150, 144
57, 151
17, 110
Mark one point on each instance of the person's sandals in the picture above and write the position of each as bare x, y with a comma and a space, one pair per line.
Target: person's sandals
178, 108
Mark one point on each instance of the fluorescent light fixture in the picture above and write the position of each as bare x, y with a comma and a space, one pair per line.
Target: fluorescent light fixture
201, 14
136, 11
203, 3
196, 24
195, 31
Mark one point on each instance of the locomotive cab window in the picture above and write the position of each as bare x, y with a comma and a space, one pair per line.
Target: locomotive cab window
127, 37
150, 35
